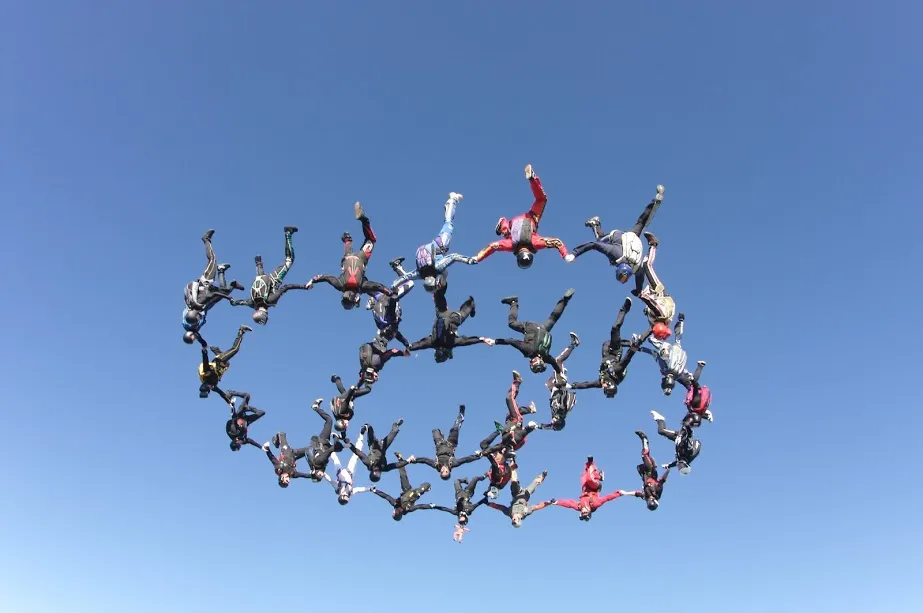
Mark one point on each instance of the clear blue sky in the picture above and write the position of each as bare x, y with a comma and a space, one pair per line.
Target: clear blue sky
787, 134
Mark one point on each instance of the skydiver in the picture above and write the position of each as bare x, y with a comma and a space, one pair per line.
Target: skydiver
698, 399
592, 478
614, 365
406, 502
652, 485
512, 433
202, 294
321, 448
463, 495
686, 445
266, 290
519, 509
376, 458
343, 486
561, 400
459, 533
241, 418
671, 358
520, 234
502, 463
660, 306
285, 464
536, 343
372, 358
387, 313
433, 259
445, 459
590, 499
343, 406
444, 336
210, 372
352, 282
623, 249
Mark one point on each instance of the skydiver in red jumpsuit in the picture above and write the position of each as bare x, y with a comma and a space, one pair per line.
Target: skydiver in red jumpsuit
520, 234
590, 499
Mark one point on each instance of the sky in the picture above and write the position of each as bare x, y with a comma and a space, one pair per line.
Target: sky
787, 136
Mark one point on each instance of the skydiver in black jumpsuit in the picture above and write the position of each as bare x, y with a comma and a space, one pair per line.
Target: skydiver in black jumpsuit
536, 342
352, 282
387, 312
614, 365
266, 290
202, 294
210, 373
318, 454
561, 400
375, 457
241, 418
445, 459
406, 502
463, 495
686, 445
342, 406
372, 358
288, 457
444, 337
652, 485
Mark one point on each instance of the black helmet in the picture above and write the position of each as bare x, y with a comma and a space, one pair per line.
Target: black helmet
189, 338
524, 258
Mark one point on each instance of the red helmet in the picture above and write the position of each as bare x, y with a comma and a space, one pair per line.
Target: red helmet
661, 331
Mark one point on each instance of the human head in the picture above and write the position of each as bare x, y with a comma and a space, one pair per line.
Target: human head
623, 272
317, 475
235, 446
585, 512
517, 520
261, 316
189, 338
341, 425
537, 364
349, 300
661, 331
524, 258
652, 503
684, 468
462, 518
610, 389
503, 227
397, 514
343, 497
667, 383
375, 474
442, 354
284, 480
445, 473
557, 423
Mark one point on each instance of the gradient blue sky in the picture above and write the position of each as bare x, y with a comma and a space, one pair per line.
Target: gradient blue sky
787, 134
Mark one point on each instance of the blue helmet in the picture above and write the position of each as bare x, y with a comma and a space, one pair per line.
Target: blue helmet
623, 272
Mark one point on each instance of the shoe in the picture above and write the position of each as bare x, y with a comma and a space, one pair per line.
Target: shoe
246, 328
574, 339
569, 294
456, 196
641, 435
510, 300
359, 212
208, 235
223, 267
517, 378
657, 416
290, 229
592, 222
400, 422
236, 285
651, 239
530, 173
396, 264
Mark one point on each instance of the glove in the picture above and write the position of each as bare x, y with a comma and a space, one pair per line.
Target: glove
533, 425
569, 258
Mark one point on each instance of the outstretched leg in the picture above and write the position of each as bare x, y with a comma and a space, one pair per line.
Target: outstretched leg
456, 427
327, 430
538, 192
513, 319
367, 233
395, 429
335, 379
405, 480
558, 310
282, 269
615, 334
225, 356
212, 266
662, 427
648, 213
514, 415
466, 310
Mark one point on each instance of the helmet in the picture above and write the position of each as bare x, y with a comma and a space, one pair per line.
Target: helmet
537, 365
623, 272
349, 300
261, 316
429, 284
652, 504
442, 354
661, 331
235, 446
524, 258
191, 317
188, 338
703, 397
341, 425
684, 469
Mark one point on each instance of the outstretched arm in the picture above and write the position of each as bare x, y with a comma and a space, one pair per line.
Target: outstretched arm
424, 343
401, 339
374, 287
330, 280
383, 496
407, 276
500, 507
420, 507
445, 510
505, 244
236, 302
608, 497
567, 504
468, 459
428, 461
450, 259
540, 506
553, 243
465, 341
